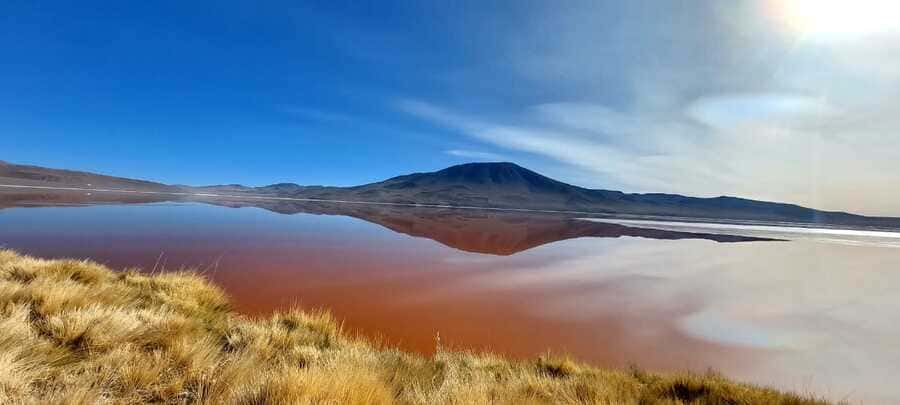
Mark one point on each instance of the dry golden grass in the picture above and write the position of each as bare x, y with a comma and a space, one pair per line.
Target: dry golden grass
74, 332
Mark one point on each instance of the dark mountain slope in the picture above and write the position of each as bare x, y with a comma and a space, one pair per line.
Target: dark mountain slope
482, 175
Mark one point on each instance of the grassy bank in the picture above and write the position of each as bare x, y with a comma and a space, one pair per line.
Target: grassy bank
75, 332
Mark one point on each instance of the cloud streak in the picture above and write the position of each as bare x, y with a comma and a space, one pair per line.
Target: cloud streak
476, 155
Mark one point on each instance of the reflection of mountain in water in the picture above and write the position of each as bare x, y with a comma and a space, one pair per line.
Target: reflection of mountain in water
471, 230
481, 231
43, 198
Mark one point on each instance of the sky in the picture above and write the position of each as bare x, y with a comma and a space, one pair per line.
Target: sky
784, 100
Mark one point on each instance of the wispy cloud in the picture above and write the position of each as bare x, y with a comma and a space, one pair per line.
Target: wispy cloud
729, 111
610, 164
476, 155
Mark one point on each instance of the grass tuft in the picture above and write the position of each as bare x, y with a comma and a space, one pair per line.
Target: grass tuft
556, 367
74, 332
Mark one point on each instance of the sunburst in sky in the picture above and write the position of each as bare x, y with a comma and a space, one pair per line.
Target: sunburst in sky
839, 18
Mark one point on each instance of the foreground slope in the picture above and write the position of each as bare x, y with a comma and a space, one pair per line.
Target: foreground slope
75, 332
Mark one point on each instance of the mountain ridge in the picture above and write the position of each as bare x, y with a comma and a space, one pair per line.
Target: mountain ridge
496, 185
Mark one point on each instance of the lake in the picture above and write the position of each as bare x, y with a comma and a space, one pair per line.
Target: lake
800, 309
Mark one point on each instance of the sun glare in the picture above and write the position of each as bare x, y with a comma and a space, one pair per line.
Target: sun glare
840, 17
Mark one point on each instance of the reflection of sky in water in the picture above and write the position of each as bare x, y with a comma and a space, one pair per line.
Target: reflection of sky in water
831, 235
829, 310
714, 325
804, 315
168, 227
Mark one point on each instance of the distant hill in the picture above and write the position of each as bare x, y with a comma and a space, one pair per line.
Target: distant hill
44, 177
486, 185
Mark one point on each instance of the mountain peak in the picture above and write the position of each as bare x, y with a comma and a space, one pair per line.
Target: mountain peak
490, 173
484, 167
489, 177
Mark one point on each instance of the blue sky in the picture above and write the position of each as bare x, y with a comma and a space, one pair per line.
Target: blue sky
764, 99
